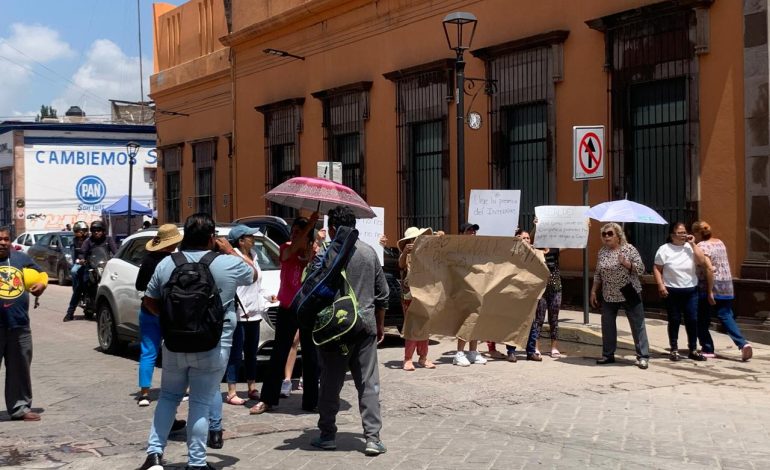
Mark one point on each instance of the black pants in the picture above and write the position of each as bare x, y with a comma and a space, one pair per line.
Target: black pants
285, 329
16, 350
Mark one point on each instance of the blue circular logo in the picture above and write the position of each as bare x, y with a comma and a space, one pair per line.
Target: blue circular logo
90, 189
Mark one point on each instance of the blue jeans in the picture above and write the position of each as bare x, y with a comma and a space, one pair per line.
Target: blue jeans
76, 283
202, 372
149, 335
724, 311
551, 301
635, 317
245, 343
682, 302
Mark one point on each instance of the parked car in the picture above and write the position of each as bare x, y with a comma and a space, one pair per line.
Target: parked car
24, 241
117, 300
53, 252
279, 231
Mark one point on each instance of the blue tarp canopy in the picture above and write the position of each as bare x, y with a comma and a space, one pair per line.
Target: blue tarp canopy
120, 207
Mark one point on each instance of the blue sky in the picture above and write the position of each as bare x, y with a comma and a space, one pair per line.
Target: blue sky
72, 52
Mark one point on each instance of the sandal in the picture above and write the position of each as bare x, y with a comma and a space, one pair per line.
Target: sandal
253, 394
426, 363
234, 400
408, 366
259, 408
555, 353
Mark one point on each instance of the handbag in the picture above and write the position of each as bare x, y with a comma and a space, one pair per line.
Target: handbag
631, 295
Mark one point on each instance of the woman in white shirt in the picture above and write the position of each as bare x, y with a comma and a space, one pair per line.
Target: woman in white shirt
251, 304
677, 280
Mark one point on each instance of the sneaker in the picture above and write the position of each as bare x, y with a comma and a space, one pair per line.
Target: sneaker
153, 462
746, 352
643, 363
461, 360
325, 444
674, 356
178, 425
709, 355
374, 448
512, 356
475, 358
208, 466
696, 356
286, 389
144, 400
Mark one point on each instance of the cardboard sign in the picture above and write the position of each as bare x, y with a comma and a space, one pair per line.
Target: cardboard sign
496, 211
561, 227
478, 288
369, 231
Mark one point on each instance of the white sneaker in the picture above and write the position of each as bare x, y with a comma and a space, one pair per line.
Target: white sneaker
475, 358
286, 388
461, 360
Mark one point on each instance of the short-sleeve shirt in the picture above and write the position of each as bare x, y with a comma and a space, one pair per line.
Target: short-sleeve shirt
229, 272
716, 251
14, 298
678, 262
291, 276
613, 275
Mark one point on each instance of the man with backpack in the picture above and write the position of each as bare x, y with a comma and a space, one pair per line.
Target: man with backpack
193, 293
367, 280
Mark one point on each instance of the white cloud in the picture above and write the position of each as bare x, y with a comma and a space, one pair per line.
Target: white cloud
21, 54
107, 73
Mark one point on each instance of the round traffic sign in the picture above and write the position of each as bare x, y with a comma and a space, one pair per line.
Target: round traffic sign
590, 153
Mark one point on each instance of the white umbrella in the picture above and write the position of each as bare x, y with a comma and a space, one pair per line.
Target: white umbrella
625, 211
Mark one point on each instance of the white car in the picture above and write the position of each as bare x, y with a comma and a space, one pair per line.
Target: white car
27, 239
117, 300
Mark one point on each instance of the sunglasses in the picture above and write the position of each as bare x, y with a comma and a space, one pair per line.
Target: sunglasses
608, 233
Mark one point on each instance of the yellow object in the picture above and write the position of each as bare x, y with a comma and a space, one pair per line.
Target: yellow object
32, 277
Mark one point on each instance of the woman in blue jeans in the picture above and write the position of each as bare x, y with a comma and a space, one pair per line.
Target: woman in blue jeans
675, 274
162, 245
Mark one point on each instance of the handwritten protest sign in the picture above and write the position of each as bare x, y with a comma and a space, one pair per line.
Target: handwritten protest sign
369, 230
478, 288
496, 211
561, 227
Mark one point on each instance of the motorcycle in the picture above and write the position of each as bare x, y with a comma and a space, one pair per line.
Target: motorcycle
93, 269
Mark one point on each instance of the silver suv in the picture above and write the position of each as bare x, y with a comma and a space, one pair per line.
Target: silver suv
117, 300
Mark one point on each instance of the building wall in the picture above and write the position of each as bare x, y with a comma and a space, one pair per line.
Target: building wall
348, 42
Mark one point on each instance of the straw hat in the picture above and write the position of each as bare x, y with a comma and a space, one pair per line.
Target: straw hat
412, 233
168, 234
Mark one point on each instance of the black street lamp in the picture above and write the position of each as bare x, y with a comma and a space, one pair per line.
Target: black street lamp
132, 148
458, 38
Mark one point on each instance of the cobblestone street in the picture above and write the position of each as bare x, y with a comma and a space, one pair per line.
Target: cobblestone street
565, 413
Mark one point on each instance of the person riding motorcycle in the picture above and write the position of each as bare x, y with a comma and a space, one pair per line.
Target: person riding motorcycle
97, 245
81, 234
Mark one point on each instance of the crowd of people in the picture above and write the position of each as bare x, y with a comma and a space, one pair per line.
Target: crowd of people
691, 271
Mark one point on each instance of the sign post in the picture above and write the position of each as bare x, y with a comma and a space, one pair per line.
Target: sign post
588, 163
330, 171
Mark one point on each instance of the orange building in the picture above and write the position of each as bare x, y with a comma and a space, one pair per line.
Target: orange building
680, 86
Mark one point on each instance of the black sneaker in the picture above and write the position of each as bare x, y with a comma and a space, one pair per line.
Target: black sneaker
153, 462
215, 440
674, 356
696, 356
68, 317
178, 425
606, 360
208, 466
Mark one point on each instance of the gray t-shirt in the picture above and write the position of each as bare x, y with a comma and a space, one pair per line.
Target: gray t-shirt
229, 272
368, 281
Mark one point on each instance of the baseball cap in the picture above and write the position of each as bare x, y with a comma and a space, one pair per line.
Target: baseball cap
464, 227
241, 230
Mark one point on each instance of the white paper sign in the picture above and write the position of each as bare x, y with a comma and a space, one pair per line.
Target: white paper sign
495, 211
369, 231
561, 227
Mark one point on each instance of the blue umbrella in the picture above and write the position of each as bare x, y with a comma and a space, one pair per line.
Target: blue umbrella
625, 211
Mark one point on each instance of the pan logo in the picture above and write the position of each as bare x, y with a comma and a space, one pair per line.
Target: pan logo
90, 189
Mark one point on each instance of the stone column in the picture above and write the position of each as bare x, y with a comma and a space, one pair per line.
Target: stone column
755, 81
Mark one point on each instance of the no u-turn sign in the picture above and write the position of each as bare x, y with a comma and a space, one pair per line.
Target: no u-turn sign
589, 153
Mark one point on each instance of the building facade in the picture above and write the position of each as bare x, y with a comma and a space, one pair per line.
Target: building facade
680, 86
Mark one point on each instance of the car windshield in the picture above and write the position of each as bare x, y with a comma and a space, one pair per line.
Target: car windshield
268, 257
67, 239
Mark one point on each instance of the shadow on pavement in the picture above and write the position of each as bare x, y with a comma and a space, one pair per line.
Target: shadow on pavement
346, 442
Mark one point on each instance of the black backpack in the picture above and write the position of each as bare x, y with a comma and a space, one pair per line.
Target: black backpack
192, 315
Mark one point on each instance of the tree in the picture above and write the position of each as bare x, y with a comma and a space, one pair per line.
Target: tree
45, 112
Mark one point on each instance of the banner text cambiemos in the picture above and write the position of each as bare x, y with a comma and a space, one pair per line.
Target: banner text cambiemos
94, 158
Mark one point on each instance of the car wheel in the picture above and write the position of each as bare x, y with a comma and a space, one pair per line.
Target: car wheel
61, 275
107, 331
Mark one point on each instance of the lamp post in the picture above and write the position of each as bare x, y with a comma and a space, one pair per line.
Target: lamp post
459, 40
132, 148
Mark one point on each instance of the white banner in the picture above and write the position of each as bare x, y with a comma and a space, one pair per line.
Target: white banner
495, 211
71, 182
561, 227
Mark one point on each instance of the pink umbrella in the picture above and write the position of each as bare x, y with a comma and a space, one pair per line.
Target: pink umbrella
318, 194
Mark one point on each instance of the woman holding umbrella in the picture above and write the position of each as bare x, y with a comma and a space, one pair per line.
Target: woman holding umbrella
617, 273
